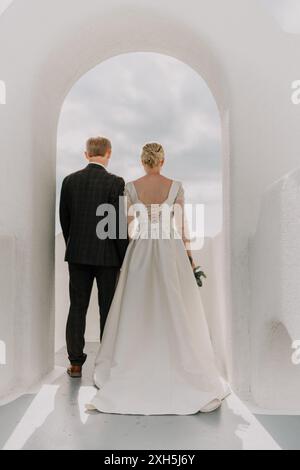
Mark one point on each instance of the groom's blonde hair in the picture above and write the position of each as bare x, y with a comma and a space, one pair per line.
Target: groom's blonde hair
98, 146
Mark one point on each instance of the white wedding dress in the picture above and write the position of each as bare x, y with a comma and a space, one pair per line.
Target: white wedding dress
156, 356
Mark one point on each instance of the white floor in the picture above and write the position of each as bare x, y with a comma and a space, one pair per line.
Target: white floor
53, 417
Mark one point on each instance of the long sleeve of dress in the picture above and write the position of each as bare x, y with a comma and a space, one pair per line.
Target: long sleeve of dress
180, 216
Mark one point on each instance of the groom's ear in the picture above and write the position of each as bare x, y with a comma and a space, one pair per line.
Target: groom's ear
86, 155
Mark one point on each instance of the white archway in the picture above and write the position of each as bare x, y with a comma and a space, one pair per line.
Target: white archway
71, 56
213, 250
57, 42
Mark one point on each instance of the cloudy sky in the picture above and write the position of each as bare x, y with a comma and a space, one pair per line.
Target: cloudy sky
137, 98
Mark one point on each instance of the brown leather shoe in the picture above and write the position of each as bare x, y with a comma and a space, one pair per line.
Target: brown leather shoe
75, 372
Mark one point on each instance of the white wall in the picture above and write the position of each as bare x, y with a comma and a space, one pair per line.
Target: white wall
275, 279
4, 4
249, 64
8, 324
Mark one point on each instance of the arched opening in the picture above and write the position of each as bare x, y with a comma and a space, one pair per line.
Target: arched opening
133, 98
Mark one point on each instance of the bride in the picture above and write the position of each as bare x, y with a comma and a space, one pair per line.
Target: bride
156, 356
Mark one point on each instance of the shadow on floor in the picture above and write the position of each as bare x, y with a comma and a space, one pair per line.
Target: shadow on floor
285, 430
11, 415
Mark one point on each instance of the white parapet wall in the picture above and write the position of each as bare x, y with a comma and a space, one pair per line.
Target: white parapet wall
275, 315
8, 325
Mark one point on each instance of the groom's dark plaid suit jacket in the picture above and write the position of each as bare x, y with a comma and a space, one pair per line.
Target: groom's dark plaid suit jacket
82, 193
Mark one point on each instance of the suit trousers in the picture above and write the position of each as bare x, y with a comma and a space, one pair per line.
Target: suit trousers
81, 283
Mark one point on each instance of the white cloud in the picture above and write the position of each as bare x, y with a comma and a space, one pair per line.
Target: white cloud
136, 98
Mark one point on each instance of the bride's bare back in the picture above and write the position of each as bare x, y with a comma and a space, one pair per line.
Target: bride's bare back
153, 189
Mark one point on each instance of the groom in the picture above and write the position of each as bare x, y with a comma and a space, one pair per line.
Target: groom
89, 257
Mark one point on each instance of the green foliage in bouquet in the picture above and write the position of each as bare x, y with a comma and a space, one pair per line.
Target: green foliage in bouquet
199, 274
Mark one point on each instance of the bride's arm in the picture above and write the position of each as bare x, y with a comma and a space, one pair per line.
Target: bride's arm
182, 223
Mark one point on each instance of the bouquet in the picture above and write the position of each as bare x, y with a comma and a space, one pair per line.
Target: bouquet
199, 274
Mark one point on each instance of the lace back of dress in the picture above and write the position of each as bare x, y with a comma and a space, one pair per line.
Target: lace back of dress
155, 221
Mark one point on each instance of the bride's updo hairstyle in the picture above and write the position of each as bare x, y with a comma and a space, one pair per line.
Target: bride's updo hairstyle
152, 155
